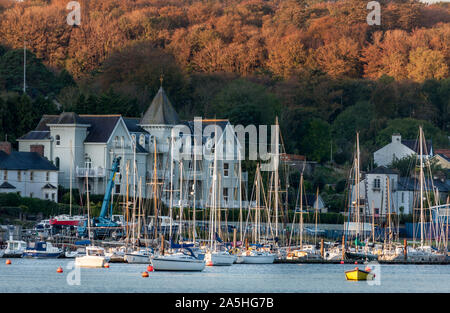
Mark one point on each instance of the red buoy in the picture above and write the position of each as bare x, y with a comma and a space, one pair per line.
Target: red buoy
356, 262
106, 265
342, 262
209, 263
8, 262
149, 268
59, 270
144, 274
367, 269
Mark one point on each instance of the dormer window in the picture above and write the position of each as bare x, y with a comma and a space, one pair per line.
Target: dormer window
58, 140
142, 140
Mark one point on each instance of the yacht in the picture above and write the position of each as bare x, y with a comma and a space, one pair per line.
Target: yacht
179, 261
258, 257
42, 249
15, 249
95, 257
220, 258
141, 256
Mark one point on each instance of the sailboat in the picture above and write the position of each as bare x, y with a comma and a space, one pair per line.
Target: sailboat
258, 255
184, 259
95, 256
215, 256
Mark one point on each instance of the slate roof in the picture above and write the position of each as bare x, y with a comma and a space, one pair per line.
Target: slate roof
100, 129
18, 160
133, 126
160, 111
414, 146
406, 183
382, 170
7, 185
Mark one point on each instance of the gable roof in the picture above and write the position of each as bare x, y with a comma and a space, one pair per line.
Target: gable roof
382, 170
101, 127
36, 135
7, 185
407, 183
414, 146
160, 111
18, 160
444, 153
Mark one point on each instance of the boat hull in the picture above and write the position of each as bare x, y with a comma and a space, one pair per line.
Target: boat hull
90, 261
219, 259
358, 274
258, 259
164, 264
137, 259
41, 255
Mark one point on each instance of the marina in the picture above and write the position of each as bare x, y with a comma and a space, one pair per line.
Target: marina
25, 275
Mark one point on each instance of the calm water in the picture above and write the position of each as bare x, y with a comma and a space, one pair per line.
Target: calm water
28, 275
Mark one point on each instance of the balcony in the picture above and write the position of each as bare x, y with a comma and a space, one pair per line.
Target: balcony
90, 172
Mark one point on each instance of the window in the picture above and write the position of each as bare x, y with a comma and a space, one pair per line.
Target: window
5, 175
225, 194
19, 176
31, 176
87, 162
46, 195
53, 197
142, 140
47, 176
403, 197
57, 163
376, 183
211, 169
31, 195
225, 169
117, 189
58, 140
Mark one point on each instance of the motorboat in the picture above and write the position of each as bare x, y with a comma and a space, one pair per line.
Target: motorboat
42, 249
67, 220
14, 249
141, 256
179, 261
75, 253
95, 257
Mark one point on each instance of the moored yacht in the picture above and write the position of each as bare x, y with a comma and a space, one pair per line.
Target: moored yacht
95, 257
42, 249
258, 257
220, 258
15, 249
141, 256
179, 261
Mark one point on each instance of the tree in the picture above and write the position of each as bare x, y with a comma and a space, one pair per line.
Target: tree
425, 64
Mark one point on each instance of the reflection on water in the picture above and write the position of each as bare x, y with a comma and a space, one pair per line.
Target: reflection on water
28, 275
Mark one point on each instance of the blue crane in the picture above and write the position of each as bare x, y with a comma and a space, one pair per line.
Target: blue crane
104, 226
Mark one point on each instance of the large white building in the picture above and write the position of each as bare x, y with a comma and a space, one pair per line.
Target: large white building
84, 146
27, 173
398, 149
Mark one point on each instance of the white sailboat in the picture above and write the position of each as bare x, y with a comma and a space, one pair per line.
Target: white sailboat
95, 256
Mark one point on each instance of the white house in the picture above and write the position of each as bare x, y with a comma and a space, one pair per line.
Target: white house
399, 149
83, 147
27, 173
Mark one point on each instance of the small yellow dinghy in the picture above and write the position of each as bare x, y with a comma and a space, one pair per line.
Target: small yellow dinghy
357, 274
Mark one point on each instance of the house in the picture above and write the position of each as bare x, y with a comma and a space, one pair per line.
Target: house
29, 174
442, 157
402, 191
399, 149
83, 148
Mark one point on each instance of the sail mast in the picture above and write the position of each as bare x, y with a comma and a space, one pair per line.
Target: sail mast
421, 187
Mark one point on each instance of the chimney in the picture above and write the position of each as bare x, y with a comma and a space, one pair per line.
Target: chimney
5, 146
396, 138
39, 149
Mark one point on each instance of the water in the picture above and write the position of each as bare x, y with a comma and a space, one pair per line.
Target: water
30, 275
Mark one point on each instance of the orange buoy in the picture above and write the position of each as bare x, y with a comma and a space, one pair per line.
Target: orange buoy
8, 262
149, 268
367, 269
356, 268
59, 270
106, 265
209, 263
144, 274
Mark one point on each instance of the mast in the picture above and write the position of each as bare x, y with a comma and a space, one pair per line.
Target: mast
421, 186
88, 205
194, 191
70, 188
276, 175
24, 67
171, 185
373, 222
155, 201
357, 188
301, 211
389, 209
